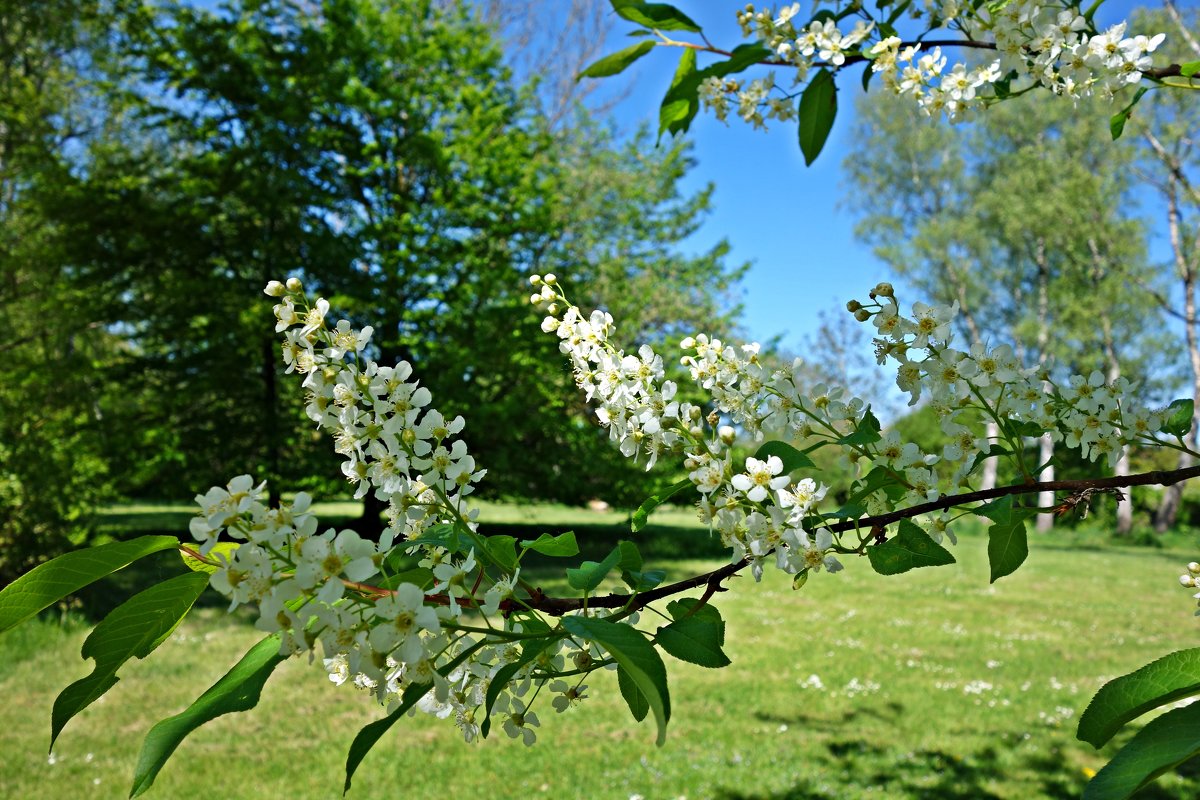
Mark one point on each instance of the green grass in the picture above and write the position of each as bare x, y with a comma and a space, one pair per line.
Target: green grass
931, 685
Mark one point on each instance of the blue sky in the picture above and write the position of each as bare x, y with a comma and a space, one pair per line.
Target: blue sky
777, 213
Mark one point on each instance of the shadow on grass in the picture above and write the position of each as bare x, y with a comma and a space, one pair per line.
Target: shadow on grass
933, 774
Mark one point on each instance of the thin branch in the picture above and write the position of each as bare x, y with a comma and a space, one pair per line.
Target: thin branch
557, 606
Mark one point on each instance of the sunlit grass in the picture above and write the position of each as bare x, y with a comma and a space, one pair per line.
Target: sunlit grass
926, 685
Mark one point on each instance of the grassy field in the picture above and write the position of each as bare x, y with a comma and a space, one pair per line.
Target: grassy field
926, 685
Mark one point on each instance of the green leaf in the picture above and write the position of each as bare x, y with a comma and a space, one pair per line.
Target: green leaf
639, 706
530, 649
1189, 69
1024, 428
681, 102
696, 640
590, 574
561, 546
636, 656
1122, 699
237, 690
792, 458
48, 583
660, 16
366, 738
1116, 125
866, 430
910, 548
630, 557
642, 515
1008, 544
643, 581
371, 733
743, 56
1177, 420
617, 62
219, 551
1163, 744
992, 452
444, 535
686, 607
817, 110
133, 629
417, 576
876, 479
503, 550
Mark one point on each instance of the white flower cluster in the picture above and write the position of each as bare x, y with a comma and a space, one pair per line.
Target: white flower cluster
310, 587
1088, 414
1191, 580
759, 512
1046, 43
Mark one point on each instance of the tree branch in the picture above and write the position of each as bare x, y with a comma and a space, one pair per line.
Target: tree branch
557, 606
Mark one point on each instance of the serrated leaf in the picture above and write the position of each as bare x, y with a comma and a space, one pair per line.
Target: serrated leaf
503, 550
660, 16
1164, 743
1177, 420
1008, 544
873, 481
1024, 428
366, 738
371, 733
992, 452
530, 649
910, 548
681, 102
866, 430
444, 535
742, 56
590, 574
817, 110
642, 515
220, 551
617, 62
1126, 698
695, 640
630, 558
237, 690
686, 607
133, 629
792, 458
639, 706
417, 576
561, 546
48, 583
1189, 69
641, 581
636, 656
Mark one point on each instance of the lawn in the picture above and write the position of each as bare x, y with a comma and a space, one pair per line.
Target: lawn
926, 685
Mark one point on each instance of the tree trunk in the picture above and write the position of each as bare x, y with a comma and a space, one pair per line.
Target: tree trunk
1168, 509
987, 479
1045, 521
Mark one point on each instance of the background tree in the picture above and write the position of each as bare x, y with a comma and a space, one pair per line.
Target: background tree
988, 223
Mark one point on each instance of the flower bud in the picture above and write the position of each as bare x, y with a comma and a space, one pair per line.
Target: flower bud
1187, 580
853, 306
274, 289
688, 343
1194, 568
552, 308
726, 434
534, 280
550, 279
884, 290
294, 285
862, 315
535, 299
